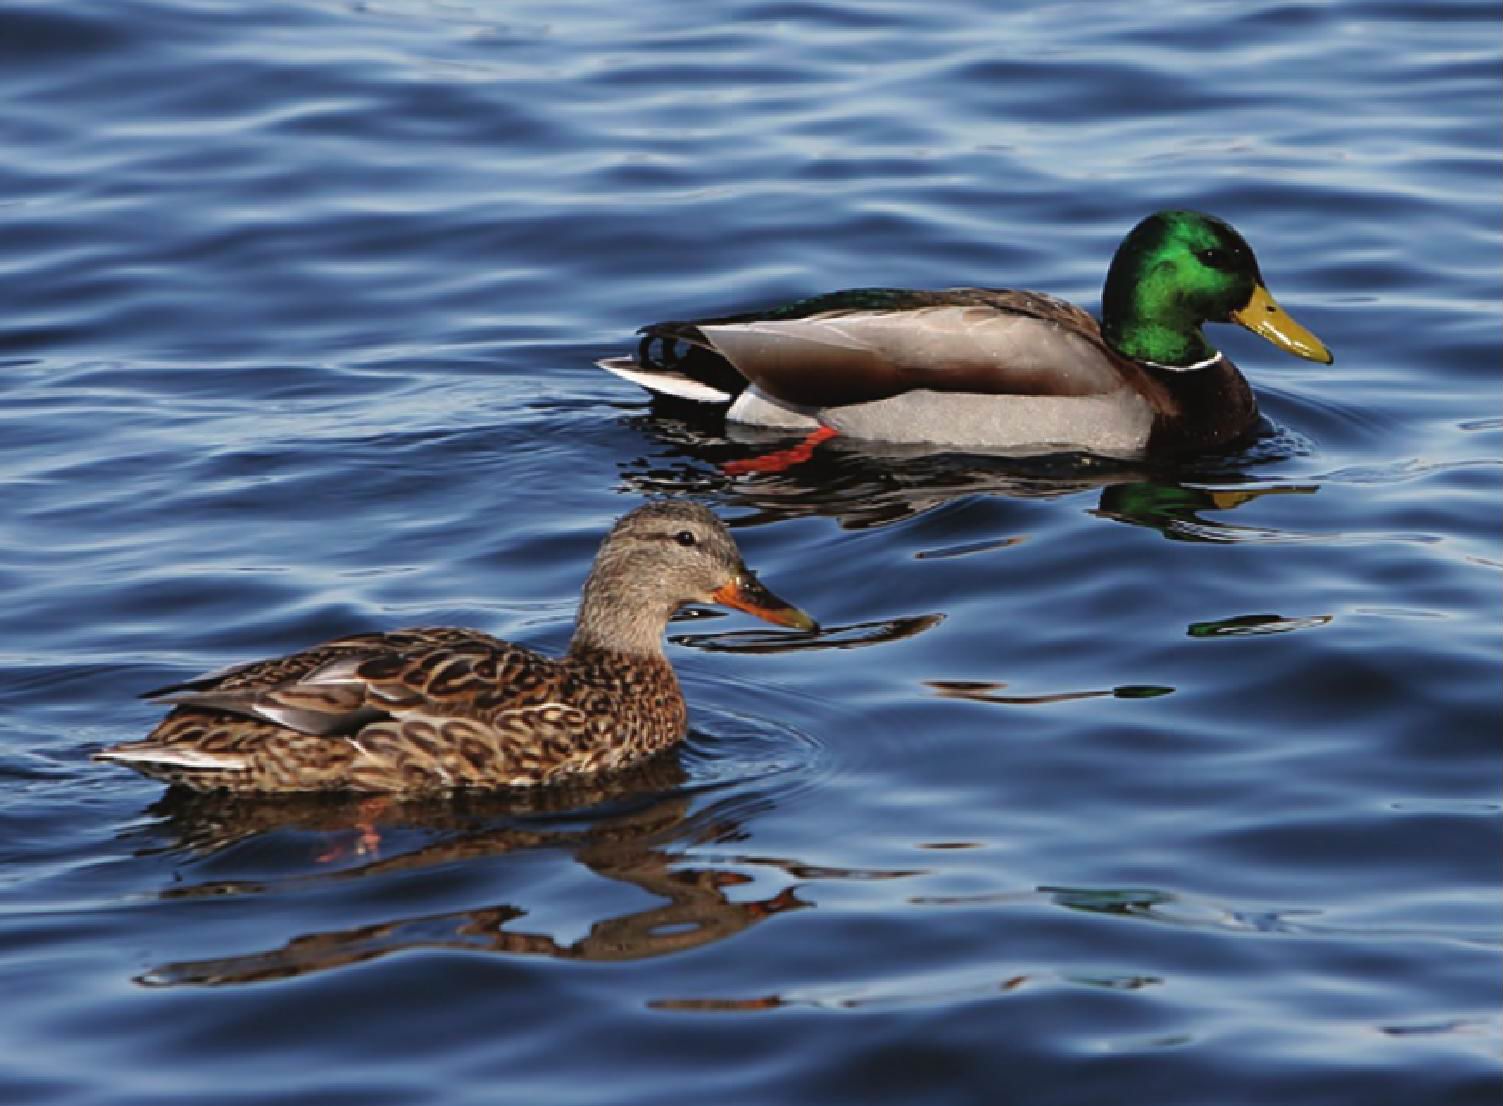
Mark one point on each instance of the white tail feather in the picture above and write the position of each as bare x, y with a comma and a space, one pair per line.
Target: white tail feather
182, 756
664, 383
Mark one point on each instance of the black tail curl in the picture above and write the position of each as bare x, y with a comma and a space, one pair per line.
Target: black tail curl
667, 356
683, 349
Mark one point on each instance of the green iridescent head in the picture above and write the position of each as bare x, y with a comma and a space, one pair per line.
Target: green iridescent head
1176, 271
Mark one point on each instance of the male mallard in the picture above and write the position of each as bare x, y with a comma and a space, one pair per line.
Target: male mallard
996, 368
439, 708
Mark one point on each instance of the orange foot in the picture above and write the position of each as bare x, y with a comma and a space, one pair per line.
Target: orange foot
782, 459
367, 841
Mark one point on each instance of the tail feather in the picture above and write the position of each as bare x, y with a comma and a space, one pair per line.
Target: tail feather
208, 680
144, 755
676, 359
667, 382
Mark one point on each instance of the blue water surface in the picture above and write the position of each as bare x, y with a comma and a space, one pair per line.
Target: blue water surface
1105, 784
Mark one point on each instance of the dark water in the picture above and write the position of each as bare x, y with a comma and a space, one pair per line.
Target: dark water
1179, 787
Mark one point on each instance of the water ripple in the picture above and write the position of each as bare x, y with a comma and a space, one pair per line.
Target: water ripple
301, 305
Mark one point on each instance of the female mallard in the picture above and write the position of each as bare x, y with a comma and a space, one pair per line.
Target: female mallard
439, 708
1001, 369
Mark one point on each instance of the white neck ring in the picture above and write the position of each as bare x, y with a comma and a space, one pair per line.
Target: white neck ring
1206, 364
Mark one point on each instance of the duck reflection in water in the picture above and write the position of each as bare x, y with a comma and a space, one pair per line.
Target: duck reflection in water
862, 485
635, 828
1174, 510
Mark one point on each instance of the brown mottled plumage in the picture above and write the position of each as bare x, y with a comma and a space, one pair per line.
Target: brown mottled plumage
439, 708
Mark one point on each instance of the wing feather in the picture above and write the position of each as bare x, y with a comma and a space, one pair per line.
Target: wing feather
858, 357
344, 685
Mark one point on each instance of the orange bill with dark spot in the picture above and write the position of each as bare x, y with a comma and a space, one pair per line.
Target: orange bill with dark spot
746, 593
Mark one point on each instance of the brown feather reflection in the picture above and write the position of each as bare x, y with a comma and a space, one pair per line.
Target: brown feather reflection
640, 840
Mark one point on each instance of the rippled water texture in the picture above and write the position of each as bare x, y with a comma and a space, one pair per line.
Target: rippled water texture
1103, 785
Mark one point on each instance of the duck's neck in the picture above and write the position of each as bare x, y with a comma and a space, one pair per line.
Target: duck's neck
1165, 346
1143, 318
620, 613
1145, 332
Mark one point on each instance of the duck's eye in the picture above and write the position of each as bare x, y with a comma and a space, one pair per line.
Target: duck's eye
685, 538
1213, 257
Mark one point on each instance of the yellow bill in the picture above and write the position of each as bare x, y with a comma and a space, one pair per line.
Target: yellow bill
1263, 316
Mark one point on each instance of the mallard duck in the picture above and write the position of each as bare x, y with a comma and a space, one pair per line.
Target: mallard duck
442, 708
1001, 369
